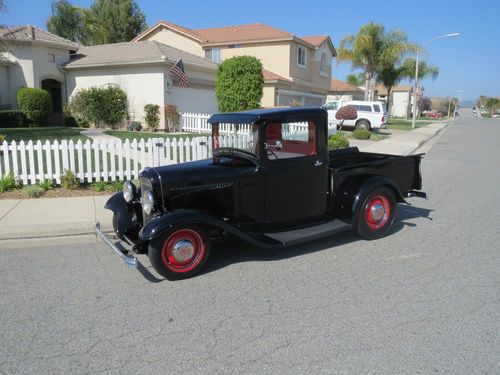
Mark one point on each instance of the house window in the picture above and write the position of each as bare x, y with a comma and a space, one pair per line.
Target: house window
301, 57
213, 54
324, 63
52, 58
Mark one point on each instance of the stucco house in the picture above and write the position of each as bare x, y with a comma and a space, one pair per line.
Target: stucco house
296, 69
343, 91
37, 58
33, 59
142, 71
401, 99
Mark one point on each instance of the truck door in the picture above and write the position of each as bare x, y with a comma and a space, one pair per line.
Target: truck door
295, 174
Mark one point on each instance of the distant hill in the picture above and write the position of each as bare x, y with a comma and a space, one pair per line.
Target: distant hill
468, 102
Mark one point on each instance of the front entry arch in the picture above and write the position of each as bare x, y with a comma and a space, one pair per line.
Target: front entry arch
54, 88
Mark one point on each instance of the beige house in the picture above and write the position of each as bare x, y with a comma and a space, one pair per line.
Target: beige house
343, 91
142, 71
296, 69
401, 99
33, 59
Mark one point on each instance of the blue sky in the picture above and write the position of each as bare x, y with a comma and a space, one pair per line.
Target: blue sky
469, 64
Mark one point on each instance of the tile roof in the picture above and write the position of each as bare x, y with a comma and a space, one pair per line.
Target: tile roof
382, 90
242, 33
134, 53
183, 30
30, 33
315, 40
271, 76
339, 86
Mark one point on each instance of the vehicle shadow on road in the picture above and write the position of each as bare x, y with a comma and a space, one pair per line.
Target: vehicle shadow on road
236, 251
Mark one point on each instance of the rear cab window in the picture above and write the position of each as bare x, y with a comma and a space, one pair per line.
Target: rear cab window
290, 140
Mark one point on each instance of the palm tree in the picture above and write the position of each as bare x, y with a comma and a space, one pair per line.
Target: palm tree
373, 49
74, 23
356, 79
390, 77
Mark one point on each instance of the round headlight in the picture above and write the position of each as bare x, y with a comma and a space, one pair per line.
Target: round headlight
148, 202
128, 191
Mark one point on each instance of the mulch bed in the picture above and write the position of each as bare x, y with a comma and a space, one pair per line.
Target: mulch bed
57, 192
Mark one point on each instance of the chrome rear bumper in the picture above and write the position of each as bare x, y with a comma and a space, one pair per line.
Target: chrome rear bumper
130, 261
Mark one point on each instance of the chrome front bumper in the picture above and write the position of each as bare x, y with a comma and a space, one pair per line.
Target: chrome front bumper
130, 261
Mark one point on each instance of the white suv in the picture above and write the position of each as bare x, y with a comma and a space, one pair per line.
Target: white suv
371, 115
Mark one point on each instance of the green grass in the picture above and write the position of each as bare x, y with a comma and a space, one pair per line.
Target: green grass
402, 124
43, 133
123, 135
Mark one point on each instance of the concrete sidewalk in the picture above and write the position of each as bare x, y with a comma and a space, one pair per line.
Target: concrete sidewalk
57, 217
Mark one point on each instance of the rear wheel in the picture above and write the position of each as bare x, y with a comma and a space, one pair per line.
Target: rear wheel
179, 253
376, 214
365, 125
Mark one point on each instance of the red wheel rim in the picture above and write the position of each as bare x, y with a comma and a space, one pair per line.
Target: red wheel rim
378, 210
183, 250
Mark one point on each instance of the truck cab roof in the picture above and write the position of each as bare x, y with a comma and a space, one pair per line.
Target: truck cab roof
259, 116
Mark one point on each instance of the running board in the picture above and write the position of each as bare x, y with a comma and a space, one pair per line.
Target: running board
297, 236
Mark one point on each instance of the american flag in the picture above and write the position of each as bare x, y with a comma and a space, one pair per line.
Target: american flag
178, 71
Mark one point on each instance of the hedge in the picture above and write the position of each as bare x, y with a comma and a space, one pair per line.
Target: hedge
12, 119
337, 141
35, 103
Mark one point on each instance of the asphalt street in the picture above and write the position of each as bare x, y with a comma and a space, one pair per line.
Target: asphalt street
424, 300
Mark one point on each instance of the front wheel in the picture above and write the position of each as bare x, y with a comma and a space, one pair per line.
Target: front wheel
180, 252
376, 214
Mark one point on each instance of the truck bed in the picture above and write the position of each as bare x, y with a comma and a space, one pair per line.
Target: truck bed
350, 162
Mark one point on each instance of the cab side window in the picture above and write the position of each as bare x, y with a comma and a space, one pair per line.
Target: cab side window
290, 140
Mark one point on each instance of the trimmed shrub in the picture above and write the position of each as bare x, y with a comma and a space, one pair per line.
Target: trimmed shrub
35, 103
3, 137
134, 126
33, 191
69, 180
172, 117
337, 141
12, 119
76, 110
348, 112
152, 116
98, 105
361, 134
239, 84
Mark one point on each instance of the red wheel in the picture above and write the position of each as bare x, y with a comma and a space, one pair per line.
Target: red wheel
376, 215
377, 212
179, 253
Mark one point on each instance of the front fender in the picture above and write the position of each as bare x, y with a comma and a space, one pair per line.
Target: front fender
161, 224
124, 219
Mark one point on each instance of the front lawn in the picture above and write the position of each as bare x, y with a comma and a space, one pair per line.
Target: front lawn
402, 124
130, 135
43, 133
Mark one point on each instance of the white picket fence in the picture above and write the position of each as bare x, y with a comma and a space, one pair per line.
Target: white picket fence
197, 123
33, 162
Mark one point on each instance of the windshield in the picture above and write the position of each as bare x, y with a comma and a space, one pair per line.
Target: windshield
242, 137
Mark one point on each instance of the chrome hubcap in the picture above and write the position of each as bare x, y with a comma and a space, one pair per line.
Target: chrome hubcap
183, 251
377, 212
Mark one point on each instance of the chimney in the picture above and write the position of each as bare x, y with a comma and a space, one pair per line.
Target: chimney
31, 32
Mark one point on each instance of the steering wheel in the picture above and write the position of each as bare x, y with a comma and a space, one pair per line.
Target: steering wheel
271, 152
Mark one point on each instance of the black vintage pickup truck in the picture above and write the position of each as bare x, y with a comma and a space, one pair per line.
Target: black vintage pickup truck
282, 189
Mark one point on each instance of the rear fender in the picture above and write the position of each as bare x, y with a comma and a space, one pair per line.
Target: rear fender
158, 226
367, 186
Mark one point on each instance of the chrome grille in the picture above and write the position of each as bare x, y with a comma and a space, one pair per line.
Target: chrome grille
213, 197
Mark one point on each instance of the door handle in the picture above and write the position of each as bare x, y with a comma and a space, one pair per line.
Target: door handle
318, 163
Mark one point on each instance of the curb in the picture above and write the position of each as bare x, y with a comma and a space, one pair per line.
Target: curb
422, 142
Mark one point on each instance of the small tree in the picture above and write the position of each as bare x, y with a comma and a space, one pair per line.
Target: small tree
35, 103
152, 117
239, 84
172, 117
346, 113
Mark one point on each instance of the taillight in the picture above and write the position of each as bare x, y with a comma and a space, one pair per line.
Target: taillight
382, 119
